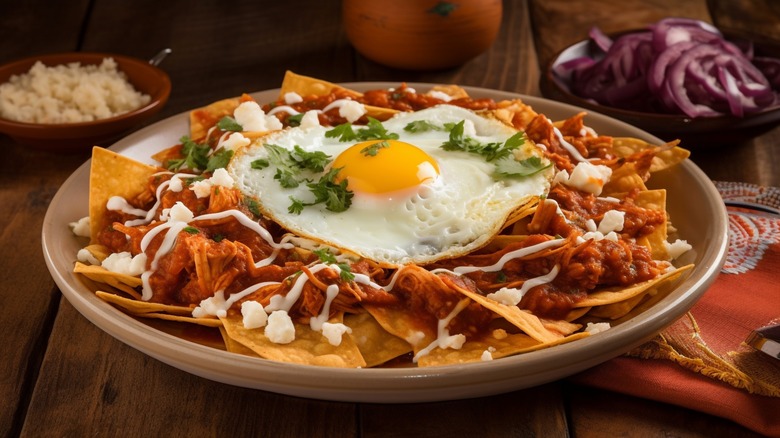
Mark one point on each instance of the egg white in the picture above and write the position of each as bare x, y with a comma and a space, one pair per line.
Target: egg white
457, 213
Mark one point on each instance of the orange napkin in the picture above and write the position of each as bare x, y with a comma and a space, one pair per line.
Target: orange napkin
701, 362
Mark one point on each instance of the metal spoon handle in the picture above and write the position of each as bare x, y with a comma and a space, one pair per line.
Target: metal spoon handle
158, 58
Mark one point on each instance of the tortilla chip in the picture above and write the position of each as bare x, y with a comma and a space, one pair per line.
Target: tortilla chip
454, 91
673, 155
623, 179
111, 175
122, 282
522, 319
138, 307
308, 86
618, 294
475, 351
234, 346
309, 347
376, 345
202, 119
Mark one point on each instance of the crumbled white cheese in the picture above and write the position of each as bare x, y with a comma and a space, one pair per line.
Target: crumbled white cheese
598, 235
415, 338
280, 328
84, 256
597, 327
352, 110
180, 213
678, 248
221, 177
453, 341
310, 119
175, 184
589, 178
292, 97
254, 314
235, 141
212, 306
487, 355
124, 263
334, 332
80, 227
252, 118
201, 188
613, 220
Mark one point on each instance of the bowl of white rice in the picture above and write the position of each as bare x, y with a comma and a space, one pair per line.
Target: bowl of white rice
73, 101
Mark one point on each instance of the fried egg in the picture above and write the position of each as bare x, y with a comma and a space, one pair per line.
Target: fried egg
412, 200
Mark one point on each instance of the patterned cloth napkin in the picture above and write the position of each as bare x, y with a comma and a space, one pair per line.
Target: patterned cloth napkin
701, 361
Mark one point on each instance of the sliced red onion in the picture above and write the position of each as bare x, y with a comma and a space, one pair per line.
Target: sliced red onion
677, 65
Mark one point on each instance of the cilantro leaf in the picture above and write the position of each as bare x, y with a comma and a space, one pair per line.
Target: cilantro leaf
343, 132
514, 168
219, 160
374, 130
290, 164
490, 151
286, 178
345, 272
295, 120
191, 230
253, 206
195, 155
422, 126
335, 195
228, 123
373, 149
296, 207
314, 161
325, 256
260, 163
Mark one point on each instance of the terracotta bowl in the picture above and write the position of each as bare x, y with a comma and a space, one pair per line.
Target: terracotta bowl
71, 137
693, 132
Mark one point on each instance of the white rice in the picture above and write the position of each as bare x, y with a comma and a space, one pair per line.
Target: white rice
69, 93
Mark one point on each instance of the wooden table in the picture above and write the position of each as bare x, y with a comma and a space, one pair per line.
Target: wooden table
62, 376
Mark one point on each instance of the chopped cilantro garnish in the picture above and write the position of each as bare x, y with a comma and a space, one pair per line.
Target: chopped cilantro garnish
296, 206
260, 163
191, 230
514, 168
289, 164
345, 272
490, 151
333, 194
374, 130
228, 123
287, 179
252, 205
295, 120
327, 257
219, 160
422, 126
217, 237
372, 150
195, 155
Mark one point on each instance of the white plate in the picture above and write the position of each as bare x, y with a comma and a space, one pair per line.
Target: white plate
693, 202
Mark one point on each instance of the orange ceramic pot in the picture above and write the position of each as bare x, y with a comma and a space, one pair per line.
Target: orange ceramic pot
421, 34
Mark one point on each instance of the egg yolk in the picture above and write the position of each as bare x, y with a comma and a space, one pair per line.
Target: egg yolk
385, 166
